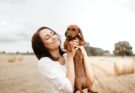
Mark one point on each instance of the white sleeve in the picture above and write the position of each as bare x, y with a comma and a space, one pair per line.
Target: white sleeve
55, 75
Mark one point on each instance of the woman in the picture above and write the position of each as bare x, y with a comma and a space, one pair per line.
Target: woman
56, 66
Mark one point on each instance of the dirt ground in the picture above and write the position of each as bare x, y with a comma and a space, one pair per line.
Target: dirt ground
19, 74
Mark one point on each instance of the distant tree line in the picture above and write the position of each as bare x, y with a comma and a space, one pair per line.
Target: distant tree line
22, 53
121, 48
94, 51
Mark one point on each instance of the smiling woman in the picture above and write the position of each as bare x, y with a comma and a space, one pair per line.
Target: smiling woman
54, 65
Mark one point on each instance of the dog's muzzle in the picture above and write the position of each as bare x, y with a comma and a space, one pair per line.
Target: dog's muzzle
69, 37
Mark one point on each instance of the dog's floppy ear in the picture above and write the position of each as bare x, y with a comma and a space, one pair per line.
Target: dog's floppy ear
80, 34
66, 33
82, 42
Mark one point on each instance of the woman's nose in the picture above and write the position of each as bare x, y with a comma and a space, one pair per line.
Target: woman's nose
53, 38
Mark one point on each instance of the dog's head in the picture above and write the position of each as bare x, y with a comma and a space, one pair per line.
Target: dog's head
73, 31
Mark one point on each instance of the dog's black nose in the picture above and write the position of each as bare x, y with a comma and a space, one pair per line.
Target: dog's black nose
68, 35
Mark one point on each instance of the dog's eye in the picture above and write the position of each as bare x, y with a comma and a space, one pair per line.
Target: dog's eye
68, 29
73, 29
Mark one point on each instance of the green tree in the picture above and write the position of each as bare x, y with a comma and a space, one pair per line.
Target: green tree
123, 48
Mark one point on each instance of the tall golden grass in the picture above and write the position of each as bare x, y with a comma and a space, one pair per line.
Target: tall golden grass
21, 75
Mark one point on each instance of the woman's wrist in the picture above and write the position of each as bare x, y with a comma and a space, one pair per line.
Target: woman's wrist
83, 51
69, 57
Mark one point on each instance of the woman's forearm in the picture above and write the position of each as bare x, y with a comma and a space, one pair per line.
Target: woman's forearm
70, 70
89, 69
88, 65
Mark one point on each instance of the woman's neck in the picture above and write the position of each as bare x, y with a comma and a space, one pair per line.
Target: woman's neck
55, 53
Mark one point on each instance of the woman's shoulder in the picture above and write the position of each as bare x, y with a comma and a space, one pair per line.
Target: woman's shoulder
45, 60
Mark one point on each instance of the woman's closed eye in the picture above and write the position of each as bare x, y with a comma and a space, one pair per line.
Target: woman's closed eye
49, 36
53, 33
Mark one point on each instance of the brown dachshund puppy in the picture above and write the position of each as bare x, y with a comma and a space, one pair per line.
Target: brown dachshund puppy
81, 79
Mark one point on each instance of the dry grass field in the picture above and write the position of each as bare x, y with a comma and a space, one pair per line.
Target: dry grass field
19, 74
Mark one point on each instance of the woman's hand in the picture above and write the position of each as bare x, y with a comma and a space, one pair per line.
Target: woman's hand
75, 45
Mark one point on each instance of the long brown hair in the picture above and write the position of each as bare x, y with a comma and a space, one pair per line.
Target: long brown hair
38, 46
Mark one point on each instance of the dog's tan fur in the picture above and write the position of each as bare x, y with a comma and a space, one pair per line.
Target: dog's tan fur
81, 79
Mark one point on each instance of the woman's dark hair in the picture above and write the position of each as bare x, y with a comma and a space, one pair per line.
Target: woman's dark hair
38, 46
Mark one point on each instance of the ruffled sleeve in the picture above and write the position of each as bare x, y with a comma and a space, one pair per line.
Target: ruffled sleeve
55, 75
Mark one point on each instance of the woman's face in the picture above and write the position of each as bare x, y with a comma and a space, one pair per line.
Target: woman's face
50, 39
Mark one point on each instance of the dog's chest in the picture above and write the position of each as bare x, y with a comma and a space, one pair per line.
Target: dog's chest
79, 63
78, 58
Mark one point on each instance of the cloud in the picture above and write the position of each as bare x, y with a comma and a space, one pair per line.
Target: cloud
12, 30
103, 22
126, 4
13, 1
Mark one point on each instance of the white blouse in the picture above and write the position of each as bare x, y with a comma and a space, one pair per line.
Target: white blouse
55, 73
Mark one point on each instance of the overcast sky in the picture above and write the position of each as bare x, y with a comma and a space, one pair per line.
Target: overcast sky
103, 22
